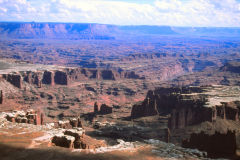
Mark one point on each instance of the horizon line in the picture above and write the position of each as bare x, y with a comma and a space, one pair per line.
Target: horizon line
118, 24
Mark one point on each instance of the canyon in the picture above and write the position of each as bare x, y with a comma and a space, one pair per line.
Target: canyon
177, 111
96, 91
192, 107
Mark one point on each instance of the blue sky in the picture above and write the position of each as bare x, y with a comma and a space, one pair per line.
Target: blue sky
220, 13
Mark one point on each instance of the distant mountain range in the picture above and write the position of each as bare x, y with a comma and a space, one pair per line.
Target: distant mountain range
30, 30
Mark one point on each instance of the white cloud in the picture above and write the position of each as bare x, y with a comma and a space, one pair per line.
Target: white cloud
3, 9
161, 12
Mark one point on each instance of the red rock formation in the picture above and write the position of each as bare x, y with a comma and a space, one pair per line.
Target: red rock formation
63, 141
164, 100
96, 109
182, 117
131, 75
33, 78
76, 138
48, 78
104, 109
31, 117
231, 111
1, 97
64, 124
77, 74
39, 118
66, 76
61, 77
184, 108
76, 122
69, 124
14, 79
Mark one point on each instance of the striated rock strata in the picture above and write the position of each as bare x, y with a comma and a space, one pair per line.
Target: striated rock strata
14, 79
186, 106
65, 76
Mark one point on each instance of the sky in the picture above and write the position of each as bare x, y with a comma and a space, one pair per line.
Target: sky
200, 13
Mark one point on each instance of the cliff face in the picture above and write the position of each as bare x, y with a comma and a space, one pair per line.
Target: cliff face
14, 79
100, 31
182, 117
164, 100
186, 106
61, 78
48, 78
33, 78
231, 67
1, 97
56, 30
99, 74
214, 110
66, 76
216, 145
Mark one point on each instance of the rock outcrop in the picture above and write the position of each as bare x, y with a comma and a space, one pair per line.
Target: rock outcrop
78, 74
76, 122
163, 100
65, 76
63, 140
131, 75
48, 78
76, 138
211, 109
186, 106
104, 109
33, 78
183, 117
96, 109
1, 97
61, 78
31, 117
69, 124
14, 79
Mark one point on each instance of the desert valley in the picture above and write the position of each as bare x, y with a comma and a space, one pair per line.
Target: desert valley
97, 91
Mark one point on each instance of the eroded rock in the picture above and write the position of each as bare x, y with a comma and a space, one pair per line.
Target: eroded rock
14, 79
63, 140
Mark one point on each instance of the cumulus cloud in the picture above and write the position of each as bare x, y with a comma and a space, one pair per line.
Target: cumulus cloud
160, 12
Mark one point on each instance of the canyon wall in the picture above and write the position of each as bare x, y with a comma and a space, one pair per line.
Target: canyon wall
182, 117
33, 78
14, 79
216, 145
187, 108
231, 67
66, 76
184, 106
163, 100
